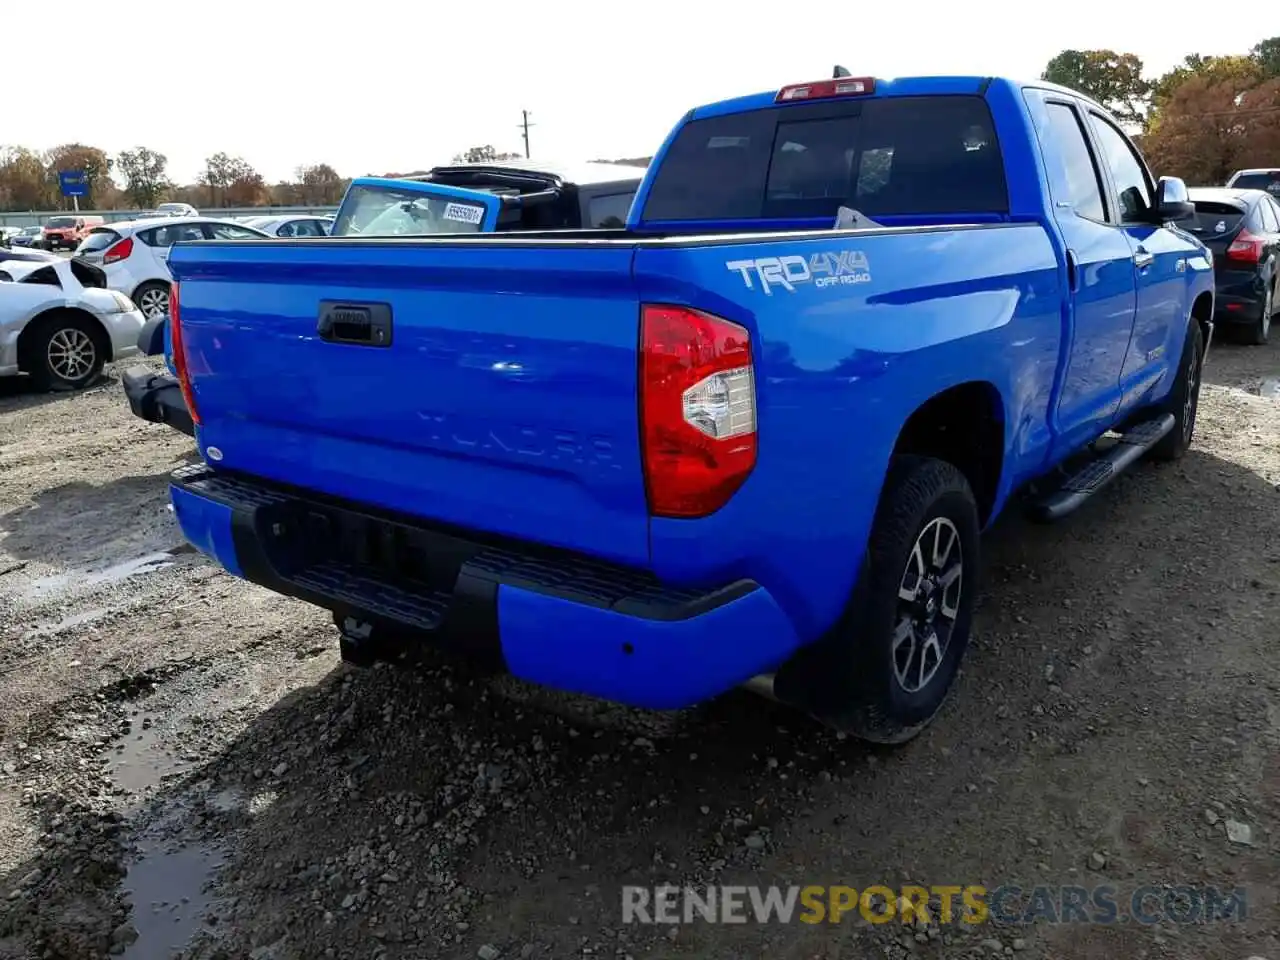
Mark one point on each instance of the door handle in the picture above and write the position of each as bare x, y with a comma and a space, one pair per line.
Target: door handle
1143, 259
358, 324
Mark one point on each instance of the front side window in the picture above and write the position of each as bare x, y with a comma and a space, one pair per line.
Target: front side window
1129, 178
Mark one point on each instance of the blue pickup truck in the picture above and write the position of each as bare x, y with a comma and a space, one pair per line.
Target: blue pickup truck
734, 443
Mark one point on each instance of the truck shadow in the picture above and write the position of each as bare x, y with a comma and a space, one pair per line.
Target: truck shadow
20, 392
436, 811
83, 526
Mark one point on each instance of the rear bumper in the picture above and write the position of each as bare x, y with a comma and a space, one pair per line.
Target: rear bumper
557, 619
157, 398
1234, 308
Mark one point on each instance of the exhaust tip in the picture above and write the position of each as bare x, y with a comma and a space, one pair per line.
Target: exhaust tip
762, 684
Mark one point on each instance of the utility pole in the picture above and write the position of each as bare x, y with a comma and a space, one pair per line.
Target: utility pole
524, 126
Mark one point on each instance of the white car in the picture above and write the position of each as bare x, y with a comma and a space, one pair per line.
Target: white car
134, 254
176, 210
292, 225
59, 324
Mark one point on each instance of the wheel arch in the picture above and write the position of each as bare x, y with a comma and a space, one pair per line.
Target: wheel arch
965, 426
26, 339
1202, 311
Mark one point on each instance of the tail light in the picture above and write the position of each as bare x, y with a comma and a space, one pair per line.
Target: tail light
825, 89
697, 409
120, 250
1246, 247
180, 354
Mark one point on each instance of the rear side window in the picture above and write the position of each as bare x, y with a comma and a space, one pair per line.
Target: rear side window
98, 240
1083, 184
896, 155
45, 275
610, 210
1215, 219
168, 236
229, 231
1270, 216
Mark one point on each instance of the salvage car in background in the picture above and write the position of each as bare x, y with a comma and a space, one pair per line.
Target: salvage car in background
66, 233
1242, 229
291, 225
27, 237
59, 324
133, 253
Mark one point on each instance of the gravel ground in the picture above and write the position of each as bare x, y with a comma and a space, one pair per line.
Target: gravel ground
186, 769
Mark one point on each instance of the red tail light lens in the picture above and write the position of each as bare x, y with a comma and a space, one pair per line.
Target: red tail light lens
180, 354
697, 410
1246, 247
119, 250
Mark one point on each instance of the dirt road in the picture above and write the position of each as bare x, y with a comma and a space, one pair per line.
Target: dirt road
186, 768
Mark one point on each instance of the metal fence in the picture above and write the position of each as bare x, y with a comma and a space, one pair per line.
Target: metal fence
40, 217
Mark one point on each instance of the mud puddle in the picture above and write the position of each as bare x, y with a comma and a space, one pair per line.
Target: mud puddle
57, 583
169, 887
68, 623
141, 761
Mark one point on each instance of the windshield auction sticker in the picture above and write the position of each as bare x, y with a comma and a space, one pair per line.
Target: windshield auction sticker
463, 213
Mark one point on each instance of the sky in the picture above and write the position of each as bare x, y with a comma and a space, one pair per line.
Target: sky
393, 85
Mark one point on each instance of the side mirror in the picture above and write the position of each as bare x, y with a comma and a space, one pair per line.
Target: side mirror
1172, 200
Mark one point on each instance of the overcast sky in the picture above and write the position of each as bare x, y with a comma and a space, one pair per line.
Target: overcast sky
393, 85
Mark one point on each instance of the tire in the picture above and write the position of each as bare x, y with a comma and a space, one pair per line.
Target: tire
64, 351
152, 298
1260, 332
864, 678
1184, 398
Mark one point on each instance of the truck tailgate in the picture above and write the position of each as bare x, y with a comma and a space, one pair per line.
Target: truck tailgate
500, 395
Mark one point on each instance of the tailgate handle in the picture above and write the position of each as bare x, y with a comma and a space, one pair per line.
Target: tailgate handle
358, 324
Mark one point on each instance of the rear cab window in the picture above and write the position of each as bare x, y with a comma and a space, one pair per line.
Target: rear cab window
921, 156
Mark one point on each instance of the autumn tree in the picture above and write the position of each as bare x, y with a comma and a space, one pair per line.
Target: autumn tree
485, 154
232, 181
1113, 79
319, 185
1208, 128
23, 181
1242, 73
143, 170
76, 156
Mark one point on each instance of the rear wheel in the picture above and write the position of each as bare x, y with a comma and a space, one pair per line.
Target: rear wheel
152, 298
64, 351
1260, 332
885, 669
1184, 398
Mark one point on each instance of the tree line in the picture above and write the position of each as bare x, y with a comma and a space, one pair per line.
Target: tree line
139, 178
1204, 119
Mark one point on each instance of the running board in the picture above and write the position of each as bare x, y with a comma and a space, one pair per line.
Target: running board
1096, 474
